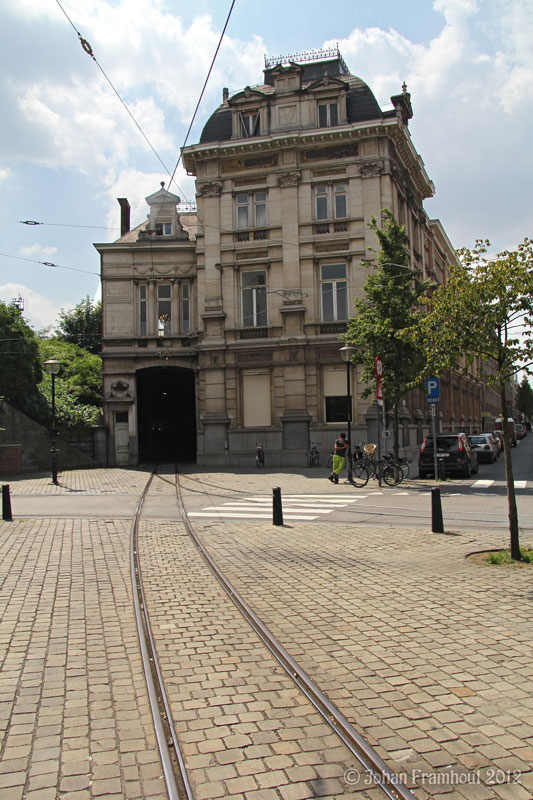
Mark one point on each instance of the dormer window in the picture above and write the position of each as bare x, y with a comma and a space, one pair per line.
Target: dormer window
328, 115
249, 123
163, 229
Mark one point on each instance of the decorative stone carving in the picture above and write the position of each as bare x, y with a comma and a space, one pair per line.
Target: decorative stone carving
211, 189
119, 390
290, 178
213, 302
292, 297
371, 169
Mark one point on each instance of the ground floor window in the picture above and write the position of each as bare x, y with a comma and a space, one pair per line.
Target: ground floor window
335, 403
256, 400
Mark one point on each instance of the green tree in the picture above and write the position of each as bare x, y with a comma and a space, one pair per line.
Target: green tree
485, 311
20, 365
525, 398
82, 325
392, 306
78, 384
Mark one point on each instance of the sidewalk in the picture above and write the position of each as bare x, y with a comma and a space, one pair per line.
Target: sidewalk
428, 654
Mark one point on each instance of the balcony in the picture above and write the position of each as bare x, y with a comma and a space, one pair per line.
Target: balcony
333, 327
252, 235
254, 333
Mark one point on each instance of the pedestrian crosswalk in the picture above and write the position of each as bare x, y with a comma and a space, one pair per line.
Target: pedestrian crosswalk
486, 484
297, 507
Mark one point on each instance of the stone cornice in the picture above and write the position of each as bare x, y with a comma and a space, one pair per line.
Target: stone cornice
338, 135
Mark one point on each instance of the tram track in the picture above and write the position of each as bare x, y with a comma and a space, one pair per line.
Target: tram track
175, 764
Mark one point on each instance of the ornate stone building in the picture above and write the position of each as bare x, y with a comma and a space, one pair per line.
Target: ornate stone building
221, 328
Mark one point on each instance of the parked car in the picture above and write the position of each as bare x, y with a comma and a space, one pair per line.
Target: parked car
455, 456
498, 437
509, 427
520, 430
485, 447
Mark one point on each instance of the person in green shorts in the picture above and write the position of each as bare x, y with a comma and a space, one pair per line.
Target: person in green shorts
339, 457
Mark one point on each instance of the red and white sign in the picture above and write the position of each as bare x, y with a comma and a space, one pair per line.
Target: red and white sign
379, 390
378, 366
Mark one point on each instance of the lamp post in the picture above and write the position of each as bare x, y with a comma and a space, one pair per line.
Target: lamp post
53, 366
346, 354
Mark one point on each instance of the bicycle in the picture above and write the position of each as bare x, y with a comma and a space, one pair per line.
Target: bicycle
259, 455
385, 469
360, 472
313, 456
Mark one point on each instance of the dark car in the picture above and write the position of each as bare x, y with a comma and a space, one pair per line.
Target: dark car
484, 447
455, 456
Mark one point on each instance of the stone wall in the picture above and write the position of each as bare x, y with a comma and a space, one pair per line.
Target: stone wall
34, 442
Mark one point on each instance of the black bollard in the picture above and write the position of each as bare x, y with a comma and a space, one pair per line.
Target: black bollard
6, 504
277, 511
437, 524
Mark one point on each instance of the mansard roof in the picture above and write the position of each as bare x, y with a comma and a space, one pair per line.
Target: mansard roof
361, 104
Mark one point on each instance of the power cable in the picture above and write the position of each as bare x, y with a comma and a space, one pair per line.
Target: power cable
88, 49
49, 264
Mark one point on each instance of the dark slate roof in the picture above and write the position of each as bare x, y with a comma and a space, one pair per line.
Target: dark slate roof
361, 104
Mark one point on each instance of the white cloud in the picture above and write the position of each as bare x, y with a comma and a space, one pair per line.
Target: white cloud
5, 174
37, 251
39, 311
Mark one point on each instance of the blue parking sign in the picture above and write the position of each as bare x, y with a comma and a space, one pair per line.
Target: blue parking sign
432, 390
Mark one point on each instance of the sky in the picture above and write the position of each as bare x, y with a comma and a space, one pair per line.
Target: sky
69, 148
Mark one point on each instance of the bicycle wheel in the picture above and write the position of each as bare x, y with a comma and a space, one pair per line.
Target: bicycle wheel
360, 475
315, 458
392, 474
406, 467
329, 465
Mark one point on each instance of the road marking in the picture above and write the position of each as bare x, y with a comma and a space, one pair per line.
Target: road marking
235, 515
485, 484
295, 507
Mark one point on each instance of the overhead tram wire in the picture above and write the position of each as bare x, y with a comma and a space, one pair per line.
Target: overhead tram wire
50, 264
195, 111
88, 49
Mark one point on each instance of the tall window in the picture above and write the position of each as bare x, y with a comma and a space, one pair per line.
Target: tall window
254, 305
328, 114
164, 309
185, 307
249, 123
335, 401
334, 292
330, 201
251, 209
142, 309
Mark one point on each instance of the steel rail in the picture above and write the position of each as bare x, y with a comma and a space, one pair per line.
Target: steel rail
154, 682
357, 745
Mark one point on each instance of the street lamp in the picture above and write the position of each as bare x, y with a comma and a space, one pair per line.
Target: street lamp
346, 354
53, 366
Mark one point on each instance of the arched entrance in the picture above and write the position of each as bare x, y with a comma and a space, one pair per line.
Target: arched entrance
166, 413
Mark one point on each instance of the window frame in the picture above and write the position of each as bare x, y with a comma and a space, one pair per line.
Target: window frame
333, 196
166, 228
259, 315
328, 105
143, 309
336, 287
252, 205
247, 130
164, 325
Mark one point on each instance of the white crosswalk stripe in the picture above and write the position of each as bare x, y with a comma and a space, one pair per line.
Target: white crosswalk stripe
295, 507
486, 484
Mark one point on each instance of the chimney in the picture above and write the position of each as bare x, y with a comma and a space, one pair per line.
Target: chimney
225, 95
124, 215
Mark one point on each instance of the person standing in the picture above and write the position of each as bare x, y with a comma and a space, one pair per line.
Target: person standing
339, 457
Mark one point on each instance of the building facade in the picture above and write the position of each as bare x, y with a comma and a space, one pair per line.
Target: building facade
222, 327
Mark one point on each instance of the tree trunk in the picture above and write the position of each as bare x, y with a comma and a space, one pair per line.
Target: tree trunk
511, 496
